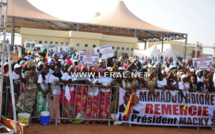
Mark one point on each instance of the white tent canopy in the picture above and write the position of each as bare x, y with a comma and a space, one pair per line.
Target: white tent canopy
152, 51
169, 53
177, 53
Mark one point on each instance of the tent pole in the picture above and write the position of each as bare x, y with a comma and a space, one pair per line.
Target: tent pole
135, 33
145, 45
185, 48
13, 32
162, 45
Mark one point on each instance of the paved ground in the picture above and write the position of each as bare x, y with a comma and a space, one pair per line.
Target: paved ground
36, 128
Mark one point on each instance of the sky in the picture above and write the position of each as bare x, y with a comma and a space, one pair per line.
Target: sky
195, 17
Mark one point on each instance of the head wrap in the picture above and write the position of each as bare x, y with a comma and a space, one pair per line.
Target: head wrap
43, 49
40, 63
192, 70
121, 68
5, 64
69, 62
31, 57
21, 62
75, 61
78, 69
95, 69
83, 67
31, 63
24, 65
71, 67
51, 62
182, 77
29, 51
198, 71
17, 66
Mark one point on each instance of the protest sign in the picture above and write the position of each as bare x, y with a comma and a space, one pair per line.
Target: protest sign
104, 51
88, 58
166, 109
203, 63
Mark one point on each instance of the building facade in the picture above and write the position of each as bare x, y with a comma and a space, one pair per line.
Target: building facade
79, 40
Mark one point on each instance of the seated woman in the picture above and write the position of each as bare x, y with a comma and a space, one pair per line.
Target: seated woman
161, 82
193, 83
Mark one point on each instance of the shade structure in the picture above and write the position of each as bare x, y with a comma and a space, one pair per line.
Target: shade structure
23, 8
121, 16
152, 51
21, 13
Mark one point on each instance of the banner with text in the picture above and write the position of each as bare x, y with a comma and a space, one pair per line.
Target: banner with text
166, 109
203, 63
104, 51
88, 58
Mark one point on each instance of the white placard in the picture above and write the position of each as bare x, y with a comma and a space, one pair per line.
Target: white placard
203, 63
88, 58
104, 51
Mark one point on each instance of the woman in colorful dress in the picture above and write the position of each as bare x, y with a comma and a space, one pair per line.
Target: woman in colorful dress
81, 93
105, 94
68, 94
93, 93
54, 99
44, 89
27, 99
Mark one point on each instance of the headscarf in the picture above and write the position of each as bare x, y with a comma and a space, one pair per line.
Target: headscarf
69, 62
126, 65
5, 72
29, 51
182, 77
78, 69
71, 67
25, 64
17, 66
95, 69
43, 49
31, 57
21, 62
83, 67
31, 63
40, 63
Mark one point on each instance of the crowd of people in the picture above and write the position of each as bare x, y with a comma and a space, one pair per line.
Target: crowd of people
44, 83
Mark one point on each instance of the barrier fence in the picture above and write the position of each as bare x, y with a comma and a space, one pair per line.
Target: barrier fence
87, 103
95, 103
